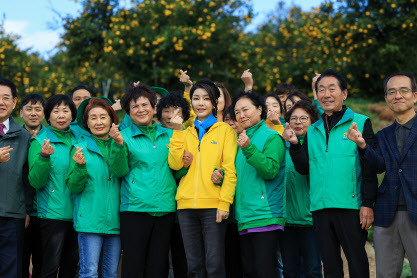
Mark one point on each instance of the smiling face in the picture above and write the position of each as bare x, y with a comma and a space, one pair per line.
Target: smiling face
7, 103
167, 114
201, 103
32, 114
141, 111
400, 103
79, 95
247, 114
272, 105
300, 121
60, 117
99, 122
330, 95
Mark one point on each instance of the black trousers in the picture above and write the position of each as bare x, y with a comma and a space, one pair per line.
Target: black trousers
179, 261
232, 252
59, 248
259, 254
32, 247
11, 247
145, 242
341, 227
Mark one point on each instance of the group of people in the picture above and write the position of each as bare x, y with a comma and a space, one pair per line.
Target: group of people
249, 186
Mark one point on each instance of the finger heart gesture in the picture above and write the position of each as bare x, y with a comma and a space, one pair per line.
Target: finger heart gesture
79, 156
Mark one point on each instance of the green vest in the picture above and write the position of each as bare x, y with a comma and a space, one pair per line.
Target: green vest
149, 186
335, 170
257, 198
54, 199
96, 208
298, 195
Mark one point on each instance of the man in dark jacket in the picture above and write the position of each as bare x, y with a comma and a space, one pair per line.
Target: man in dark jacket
342, 189
395, 227
14, 145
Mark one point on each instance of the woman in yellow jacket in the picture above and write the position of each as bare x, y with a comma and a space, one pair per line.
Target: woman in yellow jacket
202, 205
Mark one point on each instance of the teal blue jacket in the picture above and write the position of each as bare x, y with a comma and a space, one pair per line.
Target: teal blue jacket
335, 170
148, 184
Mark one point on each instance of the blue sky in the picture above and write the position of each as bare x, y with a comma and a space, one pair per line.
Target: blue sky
37, 22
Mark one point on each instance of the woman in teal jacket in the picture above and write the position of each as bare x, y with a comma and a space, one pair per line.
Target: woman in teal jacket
96, 189
148, 188
49, 157
299, 247
260, 189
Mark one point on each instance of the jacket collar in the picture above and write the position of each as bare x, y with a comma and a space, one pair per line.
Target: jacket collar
52, 136
250, 131
135, 131
410, 140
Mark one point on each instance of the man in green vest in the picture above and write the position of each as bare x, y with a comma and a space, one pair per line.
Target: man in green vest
342, 190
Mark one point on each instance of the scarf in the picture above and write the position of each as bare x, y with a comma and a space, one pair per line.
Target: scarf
204, 125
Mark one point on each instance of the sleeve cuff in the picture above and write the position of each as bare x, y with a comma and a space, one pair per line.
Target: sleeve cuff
367, 203
224, 206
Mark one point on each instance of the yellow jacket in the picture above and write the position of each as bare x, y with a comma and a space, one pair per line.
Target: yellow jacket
277, 128
217, 149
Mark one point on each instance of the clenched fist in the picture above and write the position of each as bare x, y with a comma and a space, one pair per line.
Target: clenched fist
47, 149
115, 134
79, 156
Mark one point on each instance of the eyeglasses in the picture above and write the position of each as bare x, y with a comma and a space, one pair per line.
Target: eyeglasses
404, 91
302, 119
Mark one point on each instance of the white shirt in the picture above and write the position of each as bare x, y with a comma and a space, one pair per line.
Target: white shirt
6, 125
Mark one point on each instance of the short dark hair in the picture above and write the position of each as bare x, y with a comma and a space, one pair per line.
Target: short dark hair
275, 96
227, 98
335, 74
285, 89
299, 94
98, 102
32, 99
135, 92
310, 108
256, 99
173, 100
212, 90
81, 87
57, 100
401, 73
8, 83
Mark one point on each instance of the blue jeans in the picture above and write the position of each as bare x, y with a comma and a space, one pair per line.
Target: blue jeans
204, 242
90, 246
300, 253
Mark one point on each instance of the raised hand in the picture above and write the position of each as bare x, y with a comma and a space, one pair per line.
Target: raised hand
247, 80
5, 154
115, 134
355, 135
273, 117
187, 158
313, 84
33, 133
289, 134
177, 120
135, 84
221, 214
47, 149
79, 156
117, 106
217, 176
243, 141
185, 79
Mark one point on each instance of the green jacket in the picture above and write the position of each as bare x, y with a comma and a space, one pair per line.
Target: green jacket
148, 184
298, 194
96, 188
335, 170
77, 130
47, 175
260, 188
